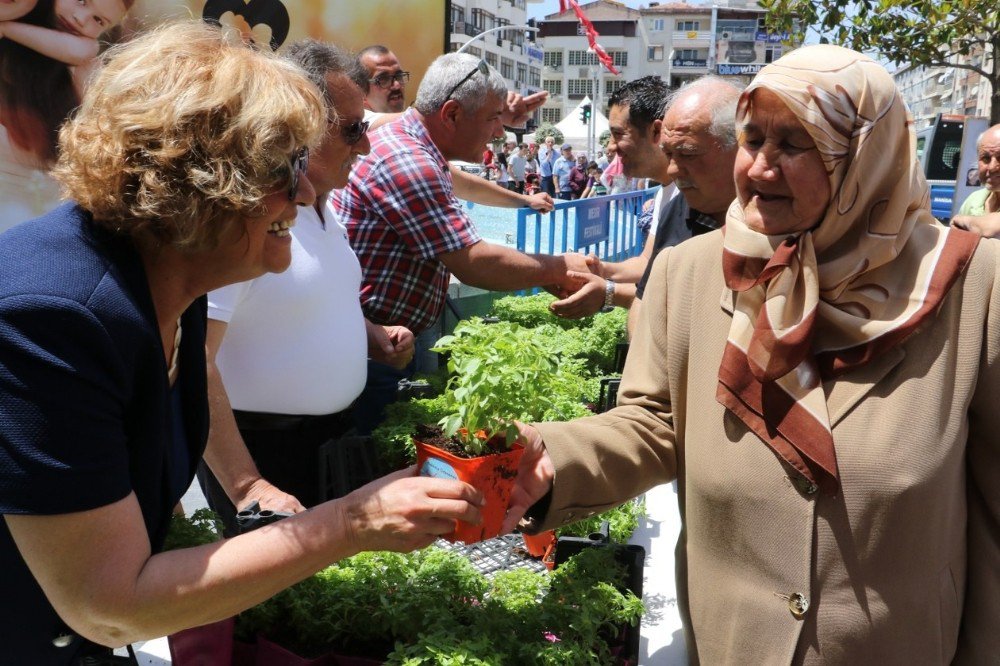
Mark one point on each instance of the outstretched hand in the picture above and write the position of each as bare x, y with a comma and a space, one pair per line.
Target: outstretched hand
518, 109
585, 301
987, 225
534, 478
403, 512
540, 201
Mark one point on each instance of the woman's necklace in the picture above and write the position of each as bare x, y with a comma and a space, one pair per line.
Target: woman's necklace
172, 370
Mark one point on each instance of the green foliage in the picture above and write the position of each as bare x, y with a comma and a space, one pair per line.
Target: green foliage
548, 129
502, 372
201, 527
918, 32
622, 522
604, 138
432, 608
591, 339
393, 438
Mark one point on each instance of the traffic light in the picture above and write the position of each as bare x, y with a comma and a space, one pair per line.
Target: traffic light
585, 114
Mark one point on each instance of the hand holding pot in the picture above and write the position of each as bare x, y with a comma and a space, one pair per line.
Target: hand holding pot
402, 512
534, 477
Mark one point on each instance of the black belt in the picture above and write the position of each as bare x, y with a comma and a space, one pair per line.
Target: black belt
288, 422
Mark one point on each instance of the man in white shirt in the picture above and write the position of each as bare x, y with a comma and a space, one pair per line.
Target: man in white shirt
287, 352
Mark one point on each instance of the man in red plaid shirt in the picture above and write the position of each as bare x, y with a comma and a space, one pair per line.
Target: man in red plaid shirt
407, 227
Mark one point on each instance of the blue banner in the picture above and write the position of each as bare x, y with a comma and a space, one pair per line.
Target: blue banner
592, 222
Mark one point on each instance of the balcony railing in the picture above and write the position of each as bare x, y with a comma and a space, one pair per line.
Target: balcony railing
682, 36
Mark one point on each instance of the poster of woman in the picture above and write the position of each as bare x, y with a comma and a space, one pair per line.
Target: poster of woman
48, 49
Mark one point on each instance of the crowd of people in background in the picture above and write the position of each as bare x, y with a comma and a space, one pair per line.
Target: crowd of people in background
225, 294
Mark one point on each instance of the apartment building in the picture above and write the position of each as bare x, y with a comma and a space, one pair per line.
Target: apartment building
678, 41
510, 52
929, 91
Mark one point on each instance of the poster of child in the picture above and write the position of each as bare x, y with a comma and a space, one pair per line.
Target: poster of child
48, 48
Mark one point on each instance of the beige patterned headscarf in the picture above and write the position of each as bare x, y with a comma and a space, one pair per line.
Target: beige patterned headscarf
818, 303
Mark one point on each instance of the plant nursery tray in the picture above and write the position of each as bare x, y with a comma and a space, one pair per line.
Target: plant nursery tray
497, 554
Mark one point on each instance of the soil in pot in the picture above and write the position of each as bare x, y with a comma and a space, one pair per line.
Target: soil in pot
492, 474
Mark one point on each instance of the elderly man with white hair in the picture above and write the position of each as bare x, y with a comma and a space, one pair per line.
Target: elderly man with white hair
406, 225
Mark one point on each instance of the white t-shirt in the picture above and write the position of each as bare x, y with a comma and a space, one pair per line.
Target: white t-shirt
295, 341
660, 199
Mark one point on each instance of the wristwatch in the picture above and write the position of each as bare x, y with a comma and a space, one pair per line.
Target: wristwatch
609, 296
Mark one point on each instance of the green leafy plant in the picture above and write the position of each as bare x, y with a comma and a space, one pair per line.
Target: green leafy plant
499, 373
432, 607
546, 130
201, 527
622, 522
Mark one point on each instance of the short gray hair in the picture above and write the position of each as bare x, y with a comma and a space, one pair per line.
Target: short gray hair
320, 59
445, 73
722, 97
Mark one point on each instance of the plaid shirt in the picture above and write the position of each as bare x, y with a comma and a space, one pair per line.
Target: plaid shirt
401, 214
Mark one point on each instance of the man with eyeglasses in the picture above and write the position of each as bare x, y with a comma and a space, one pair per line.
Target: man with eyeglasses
287, 352
386, 79
410, 231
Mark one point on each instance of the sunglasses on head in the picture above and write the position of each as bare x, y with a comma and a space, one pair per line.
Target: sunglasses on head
385, 80
299, 164
352, 133
482, 68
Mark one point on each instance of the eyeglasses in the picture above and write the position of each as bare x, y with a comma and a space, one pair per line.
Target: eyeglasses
299, 165
482, 68
352, 133
385, 80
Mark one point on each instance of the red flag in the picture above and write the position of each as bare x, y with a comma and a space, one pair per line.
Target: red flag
592, 36
563, 5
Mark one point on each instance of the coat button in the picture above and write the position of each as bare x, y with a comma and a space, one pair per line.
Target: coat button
798, 603
63, 640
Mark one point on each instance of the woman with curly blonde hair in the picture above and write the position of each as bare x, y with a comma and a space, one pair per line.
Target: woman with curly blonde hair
184, 166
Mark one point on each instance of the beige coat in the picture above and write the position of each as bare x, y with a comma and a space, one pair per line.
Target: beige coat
901, 567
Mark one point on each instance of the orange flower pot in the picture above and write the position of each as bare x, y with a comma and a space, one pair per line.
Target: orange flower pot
536, 544
492, 474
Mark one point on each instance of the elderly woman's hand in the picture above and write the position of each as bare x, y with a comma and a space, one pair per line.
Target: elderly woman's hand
403, 512
534, 478
985, 225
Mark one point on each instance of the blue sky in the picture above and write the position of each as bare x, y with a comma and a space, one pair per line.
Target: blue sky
546, 7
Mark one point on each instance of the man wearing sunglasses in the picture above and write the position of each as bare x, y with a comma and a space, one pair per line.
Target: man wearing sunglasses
275, 342
386, 79
407, 226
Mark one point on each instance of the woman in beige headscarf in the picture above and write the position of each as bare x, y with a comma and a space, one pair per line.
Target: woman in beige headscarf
831, 420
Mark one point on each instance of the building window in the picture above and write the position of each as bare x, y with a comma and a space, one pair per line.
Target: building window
612, 85
654, 53
554, 86
553, 59
656, 25
620, 58
507, 68
522, 72
491, 59
580, 87
582, 58
687, 26
551, 115
772, 53
687, 54
534, 77
475, 50
457, 15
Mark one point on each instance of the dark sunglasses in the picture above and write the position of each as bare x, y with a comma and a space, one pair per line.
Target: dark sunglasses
482, 68
299, 165
385, 81
354, 132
